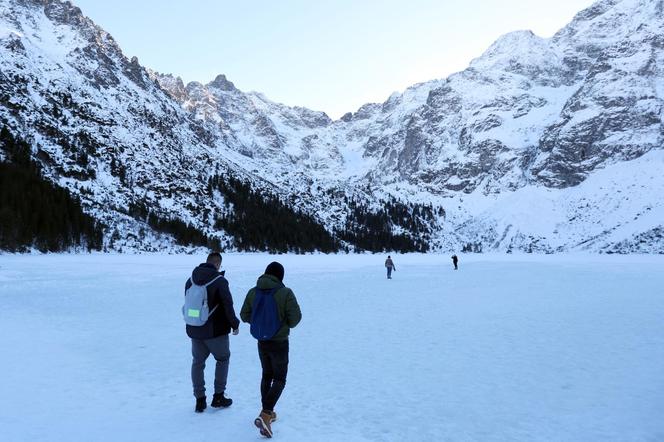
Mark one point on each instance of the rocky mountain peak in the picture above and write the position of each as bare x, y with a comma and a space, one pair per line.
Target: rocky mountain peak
61, 12
521, 52
174, 86
222, 83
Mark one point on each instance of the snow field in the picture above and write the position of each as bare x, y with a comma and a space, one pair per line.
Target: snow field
562, 347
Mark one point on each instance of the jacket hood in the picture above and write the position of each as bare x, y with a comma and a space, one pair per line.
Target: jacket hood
266, 282
204, 273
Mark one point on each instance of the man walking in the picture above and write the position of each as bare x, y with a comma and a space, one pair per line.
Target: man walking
212, 335
272, 310
390, 266
455, 261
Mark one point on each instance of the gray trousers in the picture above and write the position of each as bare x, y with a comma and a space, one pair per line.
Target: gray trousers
200, 350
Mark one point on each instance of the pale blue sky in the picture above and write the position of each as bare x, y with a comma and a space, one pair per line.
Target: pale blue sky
332, 56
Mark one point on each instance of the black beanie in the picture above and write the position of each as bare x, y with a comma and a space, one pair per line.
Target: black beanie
275, 269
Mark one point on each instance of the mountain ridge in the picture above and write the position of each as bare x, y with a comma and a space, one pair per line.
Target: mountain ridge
529, 113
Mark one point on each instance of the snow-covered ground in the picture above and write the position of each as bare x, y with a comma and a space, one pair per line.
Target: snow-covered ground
556, 348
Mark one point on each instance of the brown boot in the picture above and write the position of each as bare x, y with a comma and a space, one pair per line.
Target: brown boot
274, 416
262, 422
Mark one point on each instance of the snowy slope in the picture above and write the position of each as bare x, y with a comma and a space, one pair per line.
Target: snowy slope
526, 132
620, 201
102, 127
518, 348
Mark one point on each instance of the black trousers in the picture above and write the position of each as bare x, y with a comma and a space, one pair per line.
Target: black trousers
274, 361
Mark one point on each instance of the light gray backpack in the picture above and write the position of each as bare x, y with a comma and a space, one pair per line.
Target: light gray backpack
195, 309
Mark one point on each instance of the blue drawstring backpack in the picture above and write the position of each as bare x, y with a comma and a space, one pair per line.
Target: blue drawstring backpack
265, 321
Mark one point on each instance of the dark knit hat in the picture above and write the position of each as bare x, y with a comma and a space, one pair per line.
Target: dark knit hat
275, 269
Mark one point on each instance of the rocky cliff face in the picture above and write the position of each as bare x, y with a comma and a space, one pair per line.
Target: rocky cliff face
515, 138
615, 52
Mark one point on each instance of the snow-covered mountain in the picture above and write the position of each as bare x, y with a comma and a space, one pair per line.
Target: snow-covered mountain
539, 145
103, 129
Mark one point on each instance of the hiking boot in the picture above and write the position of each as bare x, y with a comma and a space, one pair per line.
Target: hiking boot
274, 416
263, 421
219, 401
200, 404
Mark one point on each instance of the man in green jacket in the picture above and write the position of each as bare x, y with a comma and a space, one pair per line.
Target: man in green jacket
273, 352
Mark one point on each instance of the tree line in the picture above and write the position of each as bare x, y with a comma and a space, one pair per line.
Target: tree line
261, 221
35, 213
374, 229
184, 234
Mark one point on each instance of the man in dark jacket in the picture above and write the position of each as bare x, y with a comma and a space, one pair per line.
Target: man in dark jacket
212, 337
273, 353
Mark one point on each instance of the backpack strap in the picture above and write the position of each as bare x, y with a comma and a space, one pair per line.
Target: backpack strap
206, 286
209, 283
273, 290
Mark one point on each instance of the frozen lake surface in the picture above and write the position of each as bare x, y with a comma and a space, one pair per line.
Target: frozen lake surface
525, 348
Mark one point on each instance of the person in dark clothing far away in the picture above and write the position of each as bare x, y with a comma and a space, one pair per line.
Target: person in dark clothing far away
212, 336
272, 310
455, 261
390, 266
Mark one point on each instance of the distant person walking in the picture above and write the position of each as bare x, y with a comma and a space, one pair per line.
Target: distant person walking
455, 261
209, 314
272, 310
390, 266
